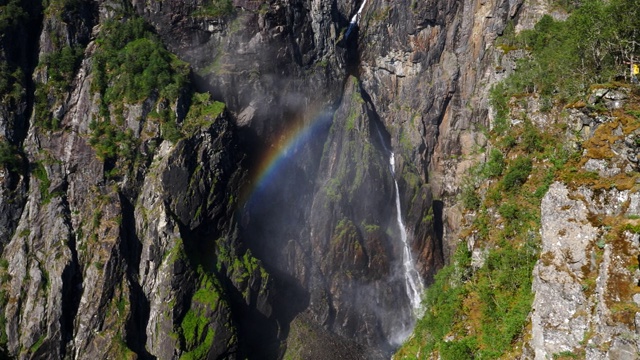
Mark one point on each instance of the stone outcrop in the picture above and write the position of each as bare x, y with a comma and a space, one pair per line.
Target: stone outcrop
583, 281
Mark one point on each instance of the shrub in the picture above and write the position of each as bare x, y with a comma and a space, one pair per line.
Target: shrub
458, 349
531, 138
9, 157
590, 46
509, 211
11, 82
61, 67
495, 166
11, 15
470, 199
499, 100
131, 64
517, 173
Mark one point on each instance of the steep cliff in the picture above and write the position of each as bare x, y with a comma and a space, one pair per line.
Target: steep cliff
121, 183
247, 179
126, 239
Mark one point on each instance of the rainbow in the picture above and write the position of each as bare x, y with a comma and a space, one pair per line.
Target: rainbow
287, 144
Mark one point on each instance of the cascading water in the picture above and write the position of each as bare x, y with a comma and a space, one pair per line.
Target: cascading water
413, 282
354, 20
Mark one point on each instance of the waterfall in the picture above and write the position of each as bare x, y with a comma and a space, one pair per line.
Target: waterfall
354, 20
413, 282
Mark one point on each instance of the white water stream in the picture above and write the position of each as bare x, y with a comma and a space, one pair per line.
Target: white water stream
413, 282
354, 20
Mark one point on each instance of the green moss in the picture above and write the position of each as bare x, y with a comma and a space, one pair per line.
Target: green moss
215, 8
333, 190
370, 228
343, 230
193, 325
37, 344
207, 293
350, 123
44, 183
203, 109
121, 349
197, 327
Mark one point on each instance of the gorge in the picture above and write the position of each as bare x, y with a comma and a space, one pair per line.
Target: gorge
318, 179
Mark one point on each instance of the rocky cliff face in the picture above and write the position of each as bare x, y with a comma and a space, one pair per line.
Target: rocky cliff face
137, 220
584, 283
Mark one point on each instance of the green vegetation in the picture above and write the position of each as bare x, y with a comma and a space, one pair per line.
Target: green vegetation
131, 64
9, 157
58, 7
60, 66
197, 326
12, 14
485, 311
110, 143
591, 46
470, 198
202, 113
11, 83
215, 8
517, 173
344, 230
500, 103
37, 344
40, 173
370, 228
495, 165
